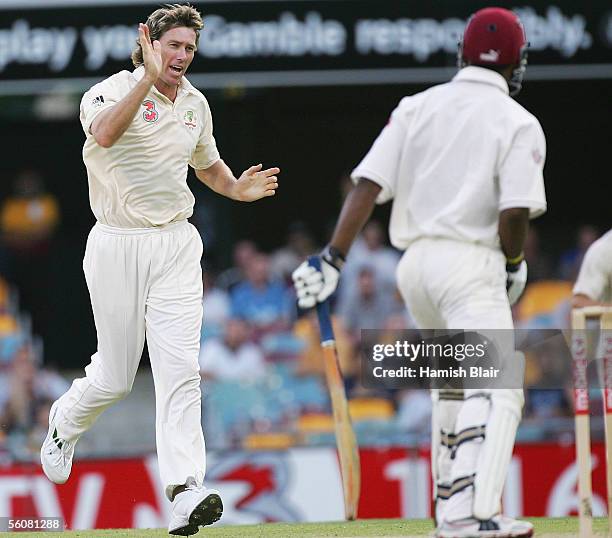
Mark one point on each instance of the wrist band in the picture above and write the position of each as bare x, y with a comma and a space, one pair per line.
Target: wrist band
333, 256
516, 259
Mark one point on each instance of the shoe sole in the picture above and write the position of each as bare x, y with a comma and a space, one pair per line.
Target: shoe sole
206, 513
487, 534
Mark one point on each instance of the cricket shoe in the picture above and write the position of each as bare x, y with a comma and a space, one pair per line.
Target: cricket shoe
496, 527
56, 454
194, 508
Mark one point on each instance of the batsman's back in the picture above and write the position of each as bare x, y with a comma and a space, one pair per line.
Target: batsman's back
464, 150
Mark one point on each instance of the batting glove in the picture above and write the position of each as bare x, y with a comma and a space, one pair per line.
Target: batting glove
516, 278
313, 286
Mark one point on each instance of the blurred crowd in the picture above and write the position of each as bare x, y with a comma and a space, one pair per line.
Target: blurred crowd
29, 217
258, 347
261, 364
27, 387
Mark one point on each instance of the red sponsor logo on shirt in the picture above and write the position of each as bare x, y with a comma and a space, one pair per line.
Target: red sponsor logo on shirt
150, 114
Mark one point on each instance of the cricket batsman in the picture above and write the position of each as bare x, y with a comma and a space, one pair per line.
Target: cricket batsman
142, 260
463, 163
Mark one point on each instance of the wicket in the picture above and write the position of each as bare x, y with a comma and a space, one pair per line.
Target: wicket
581, 407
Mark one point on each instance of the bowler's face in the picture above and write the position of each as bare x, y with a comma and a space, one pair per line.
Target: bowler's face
178, 46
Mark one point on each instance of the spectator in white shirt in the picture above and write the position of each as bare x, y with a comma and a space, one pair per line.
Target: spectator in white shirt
233, 357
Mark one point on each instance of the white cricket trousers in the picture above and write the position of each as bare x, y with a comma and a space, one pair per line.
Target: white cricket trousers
450, 284
145, 282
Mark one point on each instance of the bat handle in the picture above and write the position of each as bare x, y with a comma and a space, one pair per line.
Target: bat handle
325, 326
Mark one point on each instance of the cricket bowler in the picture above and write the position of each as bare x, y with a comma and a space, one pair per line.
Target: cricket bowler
142, 260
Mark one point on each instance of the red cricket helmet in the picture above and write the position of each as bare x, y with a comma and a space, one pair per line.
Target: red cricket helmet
495, 36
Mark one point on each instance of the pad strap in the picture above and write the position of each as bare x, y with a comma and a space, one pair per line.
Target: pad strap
454, 440
446, 491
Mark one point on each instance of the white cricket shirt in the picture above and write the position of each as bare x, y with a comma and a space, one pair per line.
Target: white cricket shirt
595, 277
452, 157
141, 181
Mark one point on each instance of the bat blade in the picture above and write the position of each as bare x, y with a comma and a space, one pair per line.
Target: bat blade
346, 441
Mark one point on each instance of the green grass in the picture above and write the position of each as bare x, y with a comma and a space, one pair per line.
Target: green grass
363, 528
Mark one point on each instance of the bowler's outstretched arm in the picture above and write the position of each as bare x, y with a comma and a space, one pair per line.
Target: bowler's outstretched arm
253, 184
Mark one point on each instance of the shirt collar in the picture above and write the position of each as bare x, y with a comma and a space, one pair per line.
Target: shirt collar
473, 73
184, 87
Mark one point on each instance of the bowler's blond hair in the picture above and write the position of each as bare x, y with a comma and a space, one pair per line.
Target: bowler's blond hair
164, 19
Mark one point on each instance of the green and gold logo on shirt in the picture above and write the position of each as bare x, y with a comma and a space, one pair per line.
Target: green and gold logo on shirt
190, 119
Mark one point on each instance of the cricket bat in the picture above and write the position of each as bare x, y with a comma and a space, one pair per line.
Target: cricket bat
346, 441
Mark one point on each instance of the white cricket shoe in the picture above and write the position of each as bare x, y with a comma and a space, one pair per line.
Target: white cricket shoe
56, 454
194, 508
496, 527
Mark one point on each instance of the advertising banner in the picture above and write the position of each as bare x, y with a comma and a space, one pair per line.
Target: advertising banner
273, 43
301, 484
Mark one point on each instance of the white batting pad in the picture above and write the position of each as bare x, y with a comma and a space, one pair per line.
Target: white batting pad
445, 408
496, 451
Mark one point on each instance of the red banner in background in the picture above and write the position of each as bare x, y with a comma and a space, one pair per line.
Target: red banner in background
296, 485
550, 476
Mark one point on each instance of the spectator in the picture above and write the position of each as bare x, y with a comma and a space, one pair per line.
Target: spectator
18, 409
28, 388
244, 252
10, 340
234, 357
369, 250
216, 306
300, 245
546, 403
369, 307
549, 371
28, 220
261, 300
571, 260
